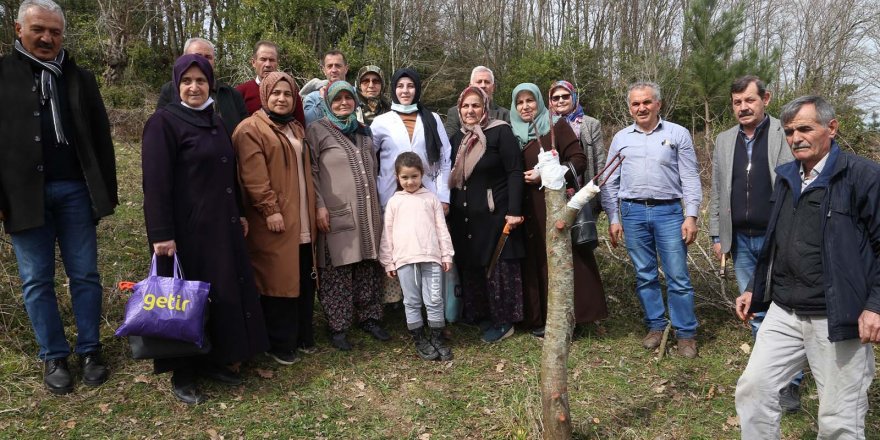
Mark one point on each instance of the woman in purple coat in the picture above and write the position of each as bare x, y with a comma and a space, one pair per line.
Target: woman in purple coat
191, 208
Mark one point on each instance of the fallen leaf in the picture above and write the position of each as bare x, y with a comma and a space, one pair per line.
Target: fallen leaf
746, 348
360, 385
733, 421
420, 402
70, 424
499, 368
222, 405
711, 392
105, 408
212, 433
595, 420
659, 389
141, 379
265, 374
425, 436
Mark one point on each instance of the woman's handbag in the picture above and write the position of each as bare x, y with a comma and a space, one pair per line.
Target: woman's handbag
583, 231
167, 307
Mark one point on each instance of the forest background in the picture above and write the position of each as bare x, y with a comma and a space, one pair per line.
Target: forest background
692, 48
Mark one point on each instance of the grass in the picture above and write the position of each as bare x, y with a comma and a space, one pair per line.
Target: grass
383, 390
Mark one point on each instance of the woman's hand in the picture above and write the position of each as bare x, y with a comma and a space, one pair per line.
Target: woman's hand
323, 218
244, 225
165, 248
446, 266
445, 208
391, 273
532, 177
514, 220
275, 222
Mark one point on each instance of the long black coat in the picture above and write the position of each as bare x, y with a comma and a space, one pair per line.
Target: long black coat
474, 228
21, 153
190, 196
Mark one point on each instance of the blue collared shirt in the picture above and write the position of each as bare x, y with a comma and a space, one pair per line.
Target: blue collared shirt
750, 142
659, 164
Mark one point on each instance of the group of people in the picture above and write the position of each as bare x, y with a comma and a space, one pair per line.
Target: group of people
274, 194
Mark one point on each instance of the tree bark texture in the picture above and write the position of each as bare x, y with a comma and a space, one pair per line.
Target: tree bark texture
560, 317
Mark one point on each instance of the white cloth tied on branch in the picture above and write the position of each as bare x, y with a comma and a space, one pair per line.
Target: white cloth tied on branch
551, 171
582, 197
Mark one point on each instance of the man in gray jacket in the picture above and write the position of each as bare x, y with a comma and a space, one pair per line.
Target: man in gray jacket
743, 173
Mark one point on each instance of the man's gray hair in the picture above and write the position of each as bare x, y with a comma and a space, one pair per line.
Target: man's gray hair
824, 111
644, 85
479, 69
46, 5
199, 40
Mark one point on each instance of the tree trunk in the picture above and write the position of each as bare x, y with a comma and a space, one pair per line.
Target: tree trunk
560, 317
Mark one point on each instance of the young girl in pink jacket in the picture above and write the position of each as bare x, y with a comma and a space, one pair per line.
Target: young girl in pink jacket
415, 247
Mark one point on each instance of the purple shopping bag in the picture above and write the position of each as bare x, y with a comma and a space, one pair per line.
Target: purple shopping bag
167, 307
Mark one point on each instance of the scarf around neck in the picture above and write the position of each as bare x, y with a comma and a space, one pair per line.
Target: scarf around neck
346, 124
50, 72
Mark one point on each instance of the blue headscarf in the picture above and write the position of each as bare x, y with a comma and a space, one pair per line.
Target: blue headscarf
577, 111
540, 125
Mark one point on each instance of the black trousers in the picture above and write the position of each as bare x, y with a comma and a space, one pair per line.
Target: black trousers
289, 321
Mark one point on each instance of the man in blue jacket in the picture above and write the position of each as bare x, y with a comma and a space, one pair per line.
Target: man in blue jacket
818, 278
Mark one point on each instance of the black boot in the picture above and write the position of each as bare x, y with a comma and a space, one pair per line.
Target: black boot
444, 352
183, 385
423, 346
56, 376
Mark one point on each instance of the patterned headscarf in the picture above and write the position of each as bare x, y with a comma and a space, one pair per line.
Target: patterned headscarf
539, 126
577, 111
473, 144
347, 124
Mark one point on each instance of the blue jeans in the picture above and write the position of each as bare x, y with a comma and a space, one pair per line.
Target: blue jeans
68, 219
650, 231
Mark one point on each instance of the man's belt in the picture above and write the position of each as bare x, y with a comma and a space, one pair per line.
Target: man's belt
653, 202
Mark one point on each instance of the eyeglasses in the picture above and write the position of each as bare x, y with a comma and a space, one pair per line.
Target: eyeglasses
564, 97
371, 81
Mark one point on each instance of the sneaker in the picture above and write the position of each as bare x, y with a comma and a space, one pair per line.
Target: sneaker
339, 341
56, 376
790, 398
652, 339
538, 332
94, 370
375, 330
497, 333
687, 348
283, 357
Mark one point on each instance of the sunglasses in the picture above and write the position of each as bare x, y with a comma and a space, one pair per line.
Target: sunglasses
564, 97
371, 81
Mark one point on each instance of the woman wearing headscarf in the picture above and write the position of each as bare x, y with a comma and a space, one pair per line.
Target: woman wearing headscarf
371, 94
531, 126
279, 202
344, 172
486, 193
564, 104
411, 127
191, 208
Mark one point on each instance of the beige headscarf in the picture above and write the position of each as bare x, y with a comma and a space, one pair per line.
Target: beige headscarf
473, 145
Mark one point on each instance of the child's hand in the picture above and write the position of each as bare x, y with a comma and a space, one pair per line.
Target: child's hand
446, 267
391, 273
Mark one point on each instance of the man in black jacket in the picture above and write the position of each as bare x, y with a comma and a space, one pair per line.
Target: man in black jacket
228, 103
818, 278
57, 179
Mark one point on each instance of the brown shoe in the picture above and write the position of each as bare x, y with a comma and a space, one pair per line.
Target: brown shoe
687, 348
652, 339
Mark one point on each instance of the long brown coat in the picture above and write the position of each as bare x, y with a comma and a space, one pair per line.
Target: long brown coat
589, 295
268, 169
344, 173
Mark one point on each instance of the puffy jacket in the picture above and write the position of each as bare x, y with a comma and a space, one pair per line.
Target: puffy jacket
850, 240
